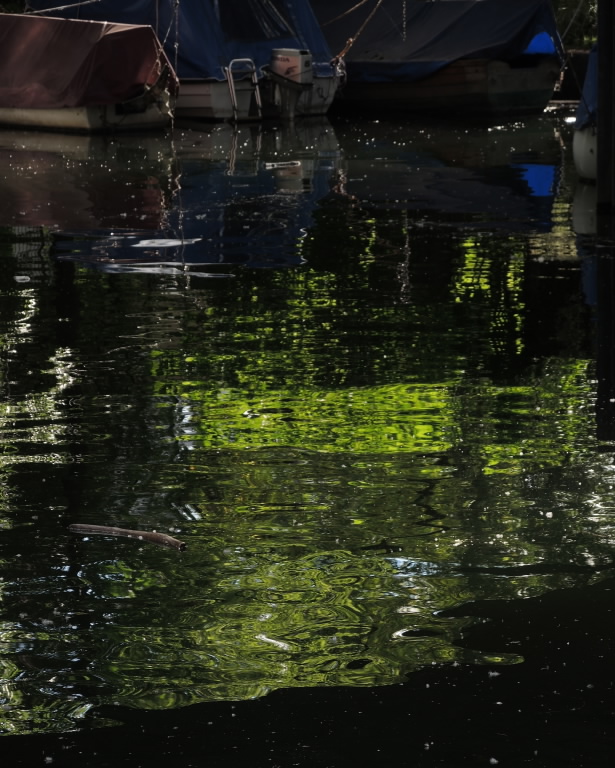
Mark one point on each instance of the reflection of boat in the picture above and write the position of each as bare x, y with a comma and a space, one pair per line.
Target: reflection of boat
584, 140
503, 176
584, 209
235, 61
70, 181
73, 75
244, 195
471, 56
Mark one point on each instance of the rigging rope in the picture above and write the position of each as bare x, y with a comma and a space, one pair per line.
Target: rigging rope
573, 19
352, 40
62, 7
341, 16
568, 56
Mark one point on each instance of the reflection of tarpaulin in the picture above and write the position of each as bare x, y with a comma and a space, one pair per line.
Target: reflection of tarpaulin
100, 64
214, 195
506, 196
83, 182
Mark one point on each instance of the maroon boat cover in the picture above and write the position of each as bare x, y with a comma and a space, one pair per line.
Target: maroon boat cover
47, 63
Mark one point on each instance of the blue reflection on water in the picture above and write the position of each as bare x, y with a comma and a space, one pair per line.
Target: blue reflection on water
541, 179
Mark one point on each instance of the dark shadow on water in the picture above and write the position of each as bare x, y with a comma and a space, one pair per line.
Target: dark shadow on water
554, 709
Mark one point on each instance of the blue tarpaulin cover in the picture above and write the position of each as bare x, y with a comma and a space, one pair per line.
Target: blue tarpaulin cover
411, 39
202, 36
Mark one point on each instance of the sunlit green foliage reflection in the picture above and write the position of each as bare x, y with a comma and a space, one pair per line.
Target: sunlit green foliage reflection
404, 423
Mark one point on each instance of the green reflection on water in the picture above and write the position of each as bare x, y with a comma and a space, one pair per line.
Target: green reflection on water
349, 448
383, 419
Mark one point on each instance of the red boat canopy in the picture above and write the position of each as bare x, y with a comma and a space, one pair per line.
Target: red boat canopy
48, 63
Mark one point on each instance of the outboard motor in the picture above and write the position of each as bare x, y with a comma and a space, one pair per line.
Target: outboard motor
293, 64
289, 74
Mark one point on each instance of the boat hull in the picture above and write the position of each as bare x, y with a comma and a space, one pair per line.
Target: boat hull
211, 99
101, 119
83, 76
469, 86
584, 152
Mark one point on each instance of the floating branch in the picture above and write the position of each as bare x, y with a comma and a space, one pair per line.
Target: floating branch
162, 539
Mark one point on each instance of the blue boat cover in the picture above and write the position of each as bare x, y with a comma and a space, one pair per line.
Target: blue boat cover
201, 37
588, 103
407, 40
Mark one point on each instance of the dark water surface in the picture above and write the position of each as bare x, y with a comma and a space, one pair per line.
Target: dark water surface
356, 367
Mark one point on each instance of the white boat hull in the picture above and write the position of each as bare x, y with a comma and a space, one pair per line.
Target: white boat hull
211, 100
98, 119
584, 152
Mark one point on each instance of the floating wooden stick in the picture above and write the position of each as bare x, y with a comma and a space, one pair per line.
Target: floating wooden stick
162, 539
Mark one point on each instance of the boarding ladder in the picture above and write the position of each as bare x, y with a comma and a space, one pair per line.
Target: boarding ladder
238, 67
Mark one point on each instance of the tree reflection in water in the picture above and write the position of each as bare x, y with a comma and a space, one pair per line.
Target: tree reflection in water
397, 423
